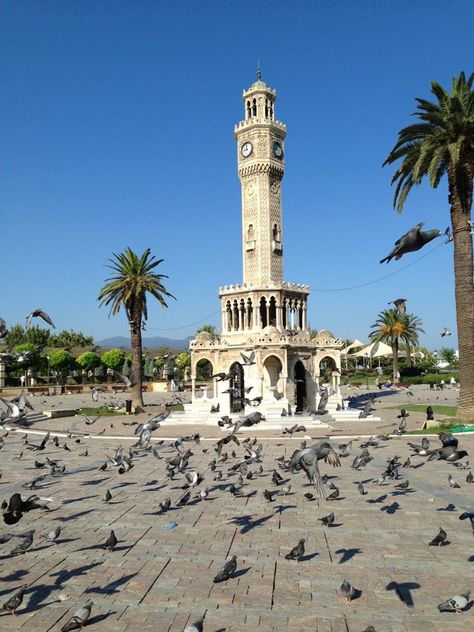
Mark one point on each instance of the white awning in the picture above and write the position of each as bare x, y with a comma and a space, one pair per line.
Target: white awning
354, 345
374, 350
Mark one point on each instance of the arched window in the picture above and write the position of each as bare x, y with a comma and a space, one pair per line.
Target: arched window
272, 312
249, 111
250, 233
235, 319
242, 314
263, 312
254, 107
249, 313
229, 315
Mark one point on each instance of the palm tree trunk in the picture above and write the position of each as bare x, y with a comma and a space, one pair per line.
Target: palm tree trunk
395, 359
464, 293
136, 340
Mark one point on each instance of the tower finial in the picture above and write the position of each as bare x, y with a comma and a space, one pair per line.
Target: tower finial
259, 70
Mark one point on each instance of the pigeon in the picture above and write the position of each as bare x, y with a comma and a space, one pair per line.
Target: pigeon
276, 478
15, 601
25, 545
445, 332
429, 414
227, 571
308, 459
39, 313
165, 504
439, 539
79, 618
447, 454
468, 515
54, 534
400, 305
403, 485
334, 495
3, 328
197, 626
448, 440
456, 604
296, 552
309, 496
108, 496
348, 591
469, 478
327, 520
111, 542
361, 489
248, 359
452, 483
411, 241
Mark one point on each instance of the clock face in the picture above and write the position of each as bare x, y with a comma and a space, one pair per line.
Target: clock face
277, 150
246, 149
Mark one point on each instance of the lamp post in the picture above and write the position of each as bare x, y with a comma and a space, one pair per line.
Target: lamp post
366, 356
48, 358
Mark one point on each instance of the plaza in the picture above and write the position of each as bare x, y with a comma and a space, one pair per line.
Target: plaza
160, 578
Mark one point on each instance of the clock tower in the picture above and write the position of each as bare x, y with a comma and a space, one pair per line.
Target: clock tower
261, 165
265, 344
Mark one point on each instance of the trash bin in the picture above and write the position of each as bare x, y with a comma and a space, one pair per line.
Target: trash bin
128, 406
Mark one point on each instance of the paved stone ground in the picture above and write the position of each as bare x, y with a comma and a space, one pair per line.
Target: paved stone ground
159, 578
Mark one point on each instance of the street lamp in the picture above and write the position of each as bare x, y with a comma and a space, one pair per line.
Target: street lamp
48, 358
366, 356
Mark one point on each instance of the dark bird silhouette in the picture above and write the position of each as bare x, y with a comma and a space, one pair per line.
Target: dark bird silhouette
15, 601
308, 459
39, 313
111, 542
227, 571
411, 241
440, 538
296, 552
400, 305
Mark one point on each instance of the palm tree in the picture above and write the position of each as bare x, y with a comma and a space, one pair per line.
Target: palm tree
391, 327
442, 143
133, 278
411, 334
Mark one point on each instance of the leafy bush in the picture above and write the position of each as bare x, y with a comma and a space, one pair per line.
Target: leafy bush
88, 360
113, 358
60, 359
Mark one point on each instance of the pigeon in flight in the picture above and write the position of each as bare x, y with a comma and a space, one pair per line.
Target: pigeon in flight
3, 328
445, 332
308, 459
411, 241
248, 359
15, 601
39, 313
79, 618
400, 305
456, 604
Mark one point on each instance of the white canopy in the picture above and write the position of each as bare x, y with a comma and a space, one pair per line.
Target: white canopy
354, 345
374, 350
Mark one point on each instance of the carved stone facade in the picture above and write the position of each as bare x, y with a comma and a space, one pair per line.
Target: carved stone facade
264, 314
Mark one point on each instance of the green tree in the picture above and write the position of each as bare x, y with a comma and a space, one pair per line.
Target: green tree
446, 354
36, 336
113, 359
28, 355
410, 336
133, 279
182, 361
60, 360
391, 327
441, 143
68, 339
88, 360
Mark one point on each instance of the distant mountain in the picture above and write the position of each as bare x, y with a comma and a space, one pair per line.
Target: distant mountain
150, 343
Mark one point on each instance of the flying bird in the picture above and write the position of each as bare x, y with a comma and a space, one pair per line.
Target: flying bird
308, 459
39, 313
248, 359
400, 305
411, 241
445, 332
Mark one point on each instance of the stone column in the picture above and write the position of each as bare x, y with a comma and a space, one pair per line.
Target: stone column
278, 316
284, 384
193, 388
2, 374
256, 317
305, 309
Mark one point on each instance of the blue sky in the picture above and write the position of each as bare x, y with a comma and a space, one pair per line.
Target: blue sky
117, 121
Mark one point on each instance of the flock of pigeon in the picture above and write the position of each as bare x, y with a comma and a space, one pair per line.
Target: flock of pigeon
234, 464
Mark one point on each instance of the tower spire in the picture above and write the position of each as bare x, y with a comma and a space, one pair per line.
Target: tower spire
259, 71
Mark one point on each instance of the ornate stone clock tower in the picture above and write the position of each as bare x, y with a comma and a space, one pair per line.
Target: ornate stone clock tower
261, 165
263, 317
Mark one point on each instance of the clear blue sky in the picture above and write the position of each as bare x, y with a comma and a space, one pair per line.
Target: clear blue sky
117, 120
